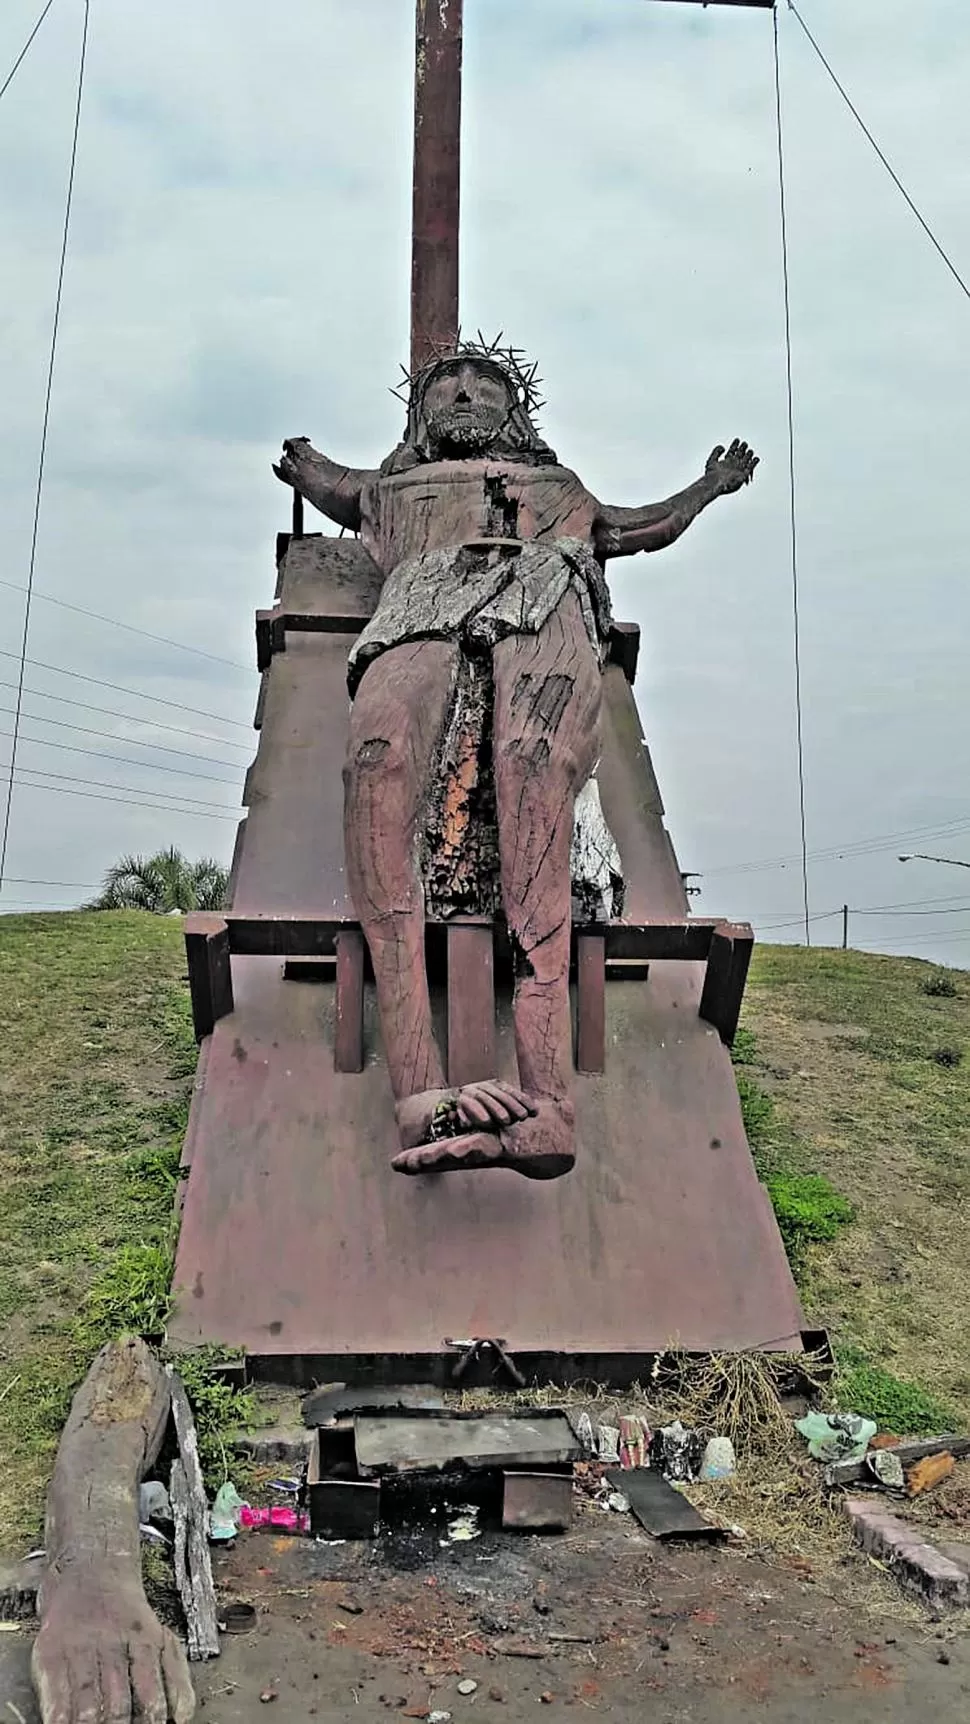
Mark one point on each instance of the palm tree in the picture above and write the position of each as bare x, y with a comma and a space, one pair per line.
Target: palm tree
166, 884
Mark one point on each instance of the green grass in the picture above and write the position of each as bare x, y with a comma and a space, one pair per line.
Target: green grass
839, 1083
96, 1056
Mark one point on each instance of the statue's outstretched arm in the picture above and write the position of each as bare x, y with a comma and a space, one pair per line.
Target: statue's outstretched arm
332, 489
651, 528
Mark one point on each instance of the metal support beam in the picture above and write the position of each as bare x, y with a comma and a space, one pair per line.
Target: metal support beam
437, 176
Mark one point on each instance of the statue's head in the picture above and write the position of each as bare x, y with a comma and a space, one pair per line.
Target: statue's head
472, 401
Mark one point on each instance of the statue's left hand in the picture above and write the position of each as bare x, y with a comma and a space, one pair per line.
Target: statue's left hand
733, 467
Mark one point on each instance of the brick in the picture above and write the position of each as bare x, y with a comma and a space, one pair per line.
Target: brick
919, 1567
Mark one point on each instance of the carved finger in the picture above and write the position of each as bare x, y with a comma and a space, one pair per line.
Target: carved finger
85, 1693
52, 1680
471, 1111
115, 1687
510, 1098
490, 1100
715, 454
178, 1682
151, 1701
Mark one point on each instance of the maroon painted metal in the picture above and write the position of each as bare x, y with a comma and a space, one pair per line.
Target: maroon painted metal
471, 1003
436, 195
297, 1240
591, 1002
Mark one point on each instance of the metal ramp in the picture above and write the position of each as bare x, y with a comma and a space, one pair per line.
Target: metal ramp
297, 1241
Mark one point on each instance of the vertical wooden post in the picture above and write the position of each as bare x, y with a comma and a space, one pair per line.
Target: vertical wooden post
845, 927
210, 974
471, 1003
348, 1050
590, 1002
727, 972
437, 177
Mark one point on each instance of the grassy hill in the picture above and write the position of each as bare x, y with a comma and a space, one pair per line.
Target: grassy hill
854, 1089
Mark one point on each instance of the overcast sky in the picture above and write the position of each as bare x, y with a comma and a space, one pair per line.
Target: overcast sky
239, 272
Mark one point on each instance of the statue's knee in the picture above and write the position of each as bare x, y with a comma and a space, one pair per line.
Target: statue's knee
375, 757
520, 759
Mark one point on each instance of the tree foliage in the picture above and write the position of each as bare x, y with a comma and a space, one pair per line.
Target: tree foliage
165, 884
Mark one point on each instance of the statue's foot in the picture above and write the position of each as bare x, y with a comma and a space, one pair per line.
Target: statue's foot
435, 1114
540, 1146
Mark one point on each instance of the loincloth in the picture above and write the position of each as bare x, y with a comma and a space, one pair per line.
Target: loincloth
478, 597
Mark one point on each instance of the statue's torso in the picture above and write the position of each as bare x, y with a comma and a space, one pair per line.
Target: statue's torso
447, 503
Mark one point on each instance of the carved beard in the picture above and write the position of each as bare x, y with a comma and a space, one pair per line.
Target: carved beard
464, 431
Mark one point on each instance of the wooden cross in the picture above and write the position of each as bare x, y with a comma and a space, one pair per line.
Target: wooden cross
437, 172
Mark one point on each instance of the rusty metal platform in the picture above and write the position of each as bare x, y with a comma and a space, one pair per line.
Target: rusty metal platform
299, 1244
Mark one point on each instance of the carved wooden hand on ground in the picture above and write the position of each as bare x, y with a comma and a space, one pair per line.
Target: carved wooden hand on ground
103, 1657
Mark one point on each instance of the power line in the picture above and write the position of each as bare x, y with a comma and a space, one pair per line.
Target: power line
130, 741
122, 759
68, 885
135, 789
799, 732
205, 811
847, 849
8, 80
131, 718
146, 634
924, 224
43, 439
136, 693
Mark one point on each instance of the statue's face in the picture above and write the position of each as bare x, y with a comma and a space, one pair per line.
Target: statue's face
466, 406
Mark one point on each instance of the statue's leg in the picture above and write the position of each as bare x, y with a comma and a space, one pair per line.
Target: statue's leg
396, 726
548, 689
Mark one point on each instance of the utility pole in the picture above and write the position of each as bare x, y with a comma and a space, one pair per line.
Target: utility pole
845, 927
437, 171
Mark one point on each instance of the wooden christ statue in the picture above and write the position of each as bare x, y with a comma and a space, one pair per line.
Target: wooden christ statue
494, 603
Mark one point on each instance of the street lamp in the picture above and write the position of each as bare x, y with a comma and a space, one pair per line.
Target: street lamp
919, 856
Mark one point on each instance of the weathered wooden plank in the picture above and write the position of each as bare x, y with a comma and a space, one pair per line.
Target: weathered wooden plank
660, 1509
193, 1569
850, 1472
429, 1444
293, 935
471, 1003
590, 1002
348, 1052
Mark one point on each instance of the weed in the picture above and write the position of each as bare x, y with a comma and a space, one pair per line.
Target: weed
947, 1056
939, 986
808, 1210
220, 1408
903, 1408
744, 1052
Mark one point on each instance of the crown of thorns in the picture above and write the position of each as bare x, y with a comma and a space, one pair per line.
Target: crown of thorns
521, 373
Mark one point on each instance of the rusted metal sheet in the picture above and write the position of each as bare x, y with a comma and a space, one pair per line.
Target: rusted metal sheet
437, 178
391, 1443
537, 1502
298, 1242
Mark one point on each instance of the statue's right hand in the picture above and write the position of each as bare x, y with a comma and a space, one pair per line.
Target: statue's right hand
490, 1104
102, 1656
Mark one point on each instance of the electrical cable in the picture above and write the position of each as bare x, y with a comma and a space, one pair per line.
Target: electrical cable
58, 298
8, 80
115, 622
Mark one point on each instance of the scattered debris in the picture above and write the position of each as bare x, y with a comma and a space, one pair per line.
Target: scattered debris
662, 1510
286, 1487
268, 1695
439, 1718
608, 1443
154, 1502
496, 1694
237, 1618
350, 1606
224, 1515
19, 1582
467, 1686
634, 1442
463, 1526
677, 1452
512, 1646
846, 1472
281, 1518
886, 1468
585, 1435
619, 1503
926, 1473
719, 1460
335, 1401
836, 1436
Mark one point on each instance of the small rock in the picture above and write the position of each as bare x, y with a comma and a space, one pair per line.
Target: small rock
943, 1658
467, 1686
439, 1718
665, 1645
267, 1695
546, 1699
540, 1605
351, 1606
496, 1695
